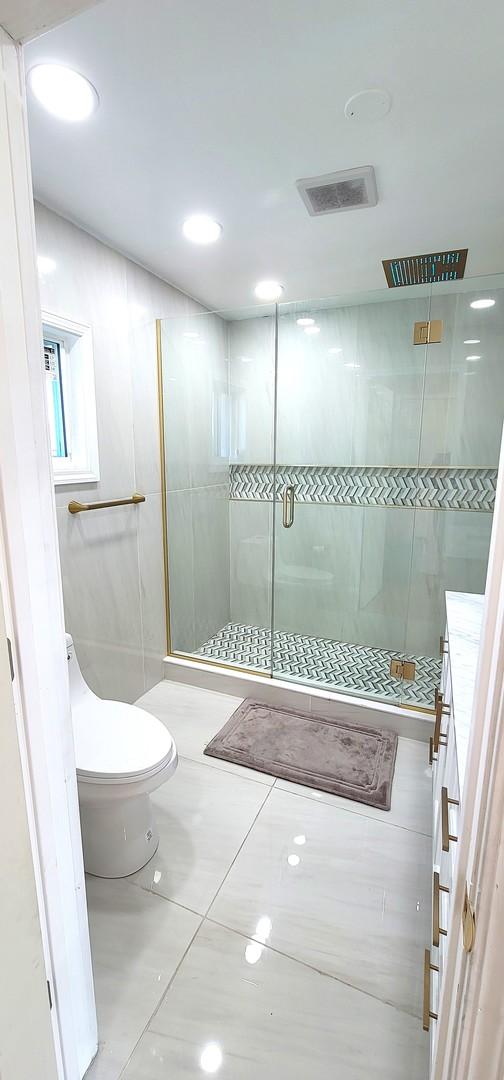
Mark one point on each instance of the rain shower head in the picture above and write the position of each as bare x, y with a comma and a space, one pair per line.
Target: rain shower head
425, 269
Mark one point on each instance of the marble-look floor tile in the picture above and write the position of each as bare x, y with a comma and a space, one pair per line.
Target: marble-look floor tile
194, 716
137, 941
411, 806
344, 893
203, 816
244, 1012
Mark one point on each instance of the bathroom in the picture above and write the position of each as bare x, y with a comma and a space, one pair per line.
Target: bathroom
275, 433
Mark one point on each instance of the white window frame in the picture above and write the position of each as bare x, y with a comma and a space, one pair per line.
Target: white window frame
81, 466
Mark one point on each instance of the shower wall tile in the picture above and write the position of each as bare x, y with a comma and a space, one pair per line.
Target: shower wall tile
181, 570
195, 376
317, 570
148, 299
450, 552
360, 405
250, 532
99, 564
251, 347
210, 538
152, 596
111, 559
463, 410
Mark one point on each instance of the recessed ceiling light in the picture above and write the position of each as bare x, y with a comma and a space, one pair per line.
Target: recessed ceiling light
473, 357
293, 860
268, 290
305, 320
335, 350
201, 229
349, 365
312, 330
63, 92
482, 303
472, 341
45, 264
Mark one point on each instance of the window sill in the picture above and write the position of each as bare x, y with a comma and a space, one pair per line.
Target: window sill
71, 479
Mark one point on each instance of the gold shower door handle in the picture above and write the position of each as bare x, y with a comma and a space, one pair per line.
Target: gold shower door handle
288, 506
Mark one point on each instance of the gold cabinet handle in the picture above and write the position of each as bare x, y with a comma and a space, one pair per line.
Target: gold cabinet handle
437, 930
288, 506
440, 738
442, 643
445, 821
427, 1014
431, 751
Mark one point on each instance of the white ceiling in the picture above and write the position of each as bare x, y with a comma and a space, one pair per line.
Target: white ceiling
24, 19
221, 105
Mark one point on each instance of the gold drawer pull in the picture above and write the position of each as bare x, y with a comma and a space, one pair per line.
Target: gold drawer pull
440, 737
445, 821
427, 1014
437, 930
442, 643
431, 751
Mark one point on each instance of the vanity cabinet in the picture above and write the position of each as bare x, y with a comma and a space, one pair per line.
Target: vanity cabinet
447, 756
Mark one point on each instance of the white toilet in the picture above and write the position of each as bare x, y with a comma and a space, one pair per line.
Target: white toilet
122, 754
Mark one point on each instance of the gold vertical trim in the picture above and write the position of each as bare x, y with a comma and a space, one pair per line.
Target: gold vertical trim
162, 452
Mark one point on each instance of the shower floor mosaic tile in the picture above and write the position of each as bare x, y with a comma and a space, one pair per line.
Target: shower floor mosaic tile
327, 663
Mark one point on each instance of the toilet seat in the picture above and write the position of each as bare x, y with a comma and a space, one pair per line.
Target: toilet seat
118, 743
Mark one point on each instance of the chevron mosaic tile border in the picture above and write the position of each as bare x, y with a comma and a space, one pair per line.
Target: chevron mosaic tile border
429, 488
320, 661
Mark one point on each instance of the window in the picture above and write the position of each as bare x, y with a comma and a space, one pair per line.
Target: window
55, 403
71, 404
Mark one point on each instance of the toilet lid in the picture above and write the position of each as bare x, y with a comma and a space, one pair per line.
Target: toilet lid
114, 740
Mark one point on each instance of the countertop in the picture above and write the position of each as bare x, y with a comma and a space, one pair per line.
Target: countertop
464, 612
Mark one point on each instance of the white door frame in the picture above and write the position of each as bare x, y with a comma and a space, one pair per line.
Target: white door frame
33, 581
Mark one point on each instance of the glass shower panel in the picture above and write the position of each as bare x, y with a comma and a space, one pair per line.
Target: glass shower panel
217, 381
349, 406
459, 453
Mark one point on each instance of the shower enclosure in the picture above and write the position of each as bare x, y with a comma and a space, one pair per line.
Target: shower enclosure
326, 480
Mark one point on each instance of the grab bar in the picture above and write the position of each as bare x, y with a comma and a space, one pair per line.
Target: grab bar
288, 507
78, 507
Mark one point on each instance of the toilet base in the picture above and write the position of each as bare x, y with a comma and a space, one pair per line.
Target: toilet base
119, 836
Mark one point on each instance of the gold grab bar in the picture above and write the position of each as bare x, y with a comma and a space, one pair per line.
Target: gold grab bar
78, 507
427, 1014
445, 821
288, 506
437, 930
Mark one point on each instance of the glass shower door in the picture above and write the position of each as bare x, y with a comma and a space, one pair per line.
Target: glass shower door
348, 421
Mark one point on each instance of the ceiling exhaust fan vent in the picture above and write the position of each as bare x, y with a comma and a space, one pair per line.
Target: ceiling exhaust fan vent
425, 269
352, 189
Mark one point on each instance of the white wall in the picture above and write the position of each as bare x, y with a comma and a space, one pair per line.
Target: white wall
112, 560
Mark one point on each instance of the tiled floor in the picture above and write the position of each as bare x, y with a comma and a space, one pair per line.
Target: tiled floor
323, 662
278, 932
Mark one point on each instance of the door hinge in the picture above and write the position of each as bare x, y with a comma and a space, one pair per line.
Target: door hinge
428, 333
11, 661
403, 669
49, 994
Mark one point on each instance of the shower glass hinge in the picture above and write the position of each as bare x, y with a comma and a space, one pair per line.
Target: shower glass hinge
403, 669
428, 333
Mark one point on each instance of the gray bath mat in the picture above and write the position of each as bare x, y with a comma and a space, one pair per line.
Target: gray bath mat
332, 755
